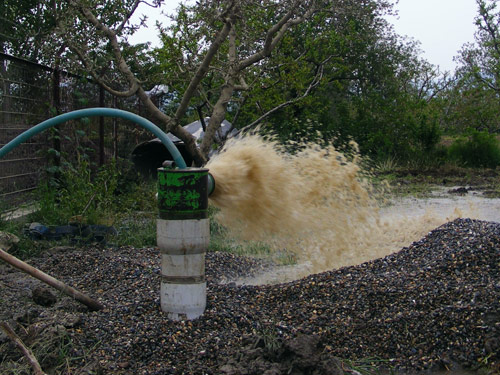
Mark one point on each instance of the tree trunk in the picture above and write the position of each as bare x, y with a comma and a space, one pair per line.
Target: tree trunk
218, 114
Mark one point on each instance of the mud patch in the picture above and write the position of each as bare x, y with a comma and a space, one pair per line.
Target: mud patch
302, 355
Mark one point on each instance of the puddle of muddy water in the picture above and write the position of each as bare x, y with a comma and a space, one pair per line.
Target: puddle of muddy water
407, 220
442, 205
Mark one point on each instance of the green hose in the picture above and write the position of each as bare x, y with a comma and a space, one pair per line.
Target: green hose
93, 112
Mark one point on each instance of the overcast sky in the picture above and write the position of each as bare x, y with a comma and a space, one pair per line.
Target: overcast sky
441, 26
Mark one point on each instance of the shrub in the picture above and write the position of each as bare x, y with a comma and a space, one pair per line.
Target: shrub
476, 149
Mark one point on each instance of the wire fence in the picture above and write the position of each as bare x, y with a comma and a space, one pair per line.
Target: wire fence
31, 93
25, 89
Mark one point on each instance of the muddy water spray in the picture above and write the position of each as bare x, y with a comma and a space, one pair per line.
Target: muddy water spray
314, 203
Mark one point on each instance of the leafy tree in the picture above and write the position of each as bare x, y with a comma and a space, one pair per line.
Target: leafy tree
470, 106
481, 61
473, 103
476, 149
369, 85
332, 64
214, 29
23, 27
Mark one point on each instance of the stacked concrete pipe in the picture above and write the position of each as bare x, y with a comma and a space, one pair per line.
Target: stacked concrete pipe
183, 235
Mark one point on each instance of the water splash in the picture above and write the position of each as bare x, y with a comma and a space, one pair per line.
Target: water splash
315, 203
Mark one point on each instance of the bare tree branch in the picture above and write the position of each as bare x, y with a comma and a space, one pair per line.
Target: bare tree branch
113, 40
37, 369
171, 124
203, 68
274, 36
127, 16
92, 304
315, 82
124, 94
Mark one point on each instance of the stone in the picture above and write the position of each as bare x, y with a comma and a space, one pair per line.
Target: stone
43, 296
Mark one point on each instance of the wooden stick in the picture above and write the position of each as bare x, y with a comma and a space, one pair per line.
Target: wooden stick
93, 305
26, 351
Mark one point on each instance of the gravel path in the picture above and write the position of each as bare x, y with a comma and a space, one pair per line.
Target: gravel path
433, 305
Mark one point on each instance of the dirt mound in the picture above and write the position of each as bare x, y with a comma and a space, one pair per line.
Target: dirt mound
302, 355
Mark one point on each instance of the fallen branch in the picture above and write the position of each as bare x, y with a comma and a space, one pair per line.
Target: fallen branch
93, 305
37, 369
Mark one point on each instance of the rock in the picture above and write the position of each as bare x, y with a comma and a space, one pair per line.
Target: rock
492, 345
3, 337
70, 320
8, 240
433, 305
459, 191
303, 346
43, 296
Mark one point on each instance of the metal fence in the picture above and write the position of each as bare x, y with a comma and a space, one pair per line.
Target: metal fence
25, 101
31, 93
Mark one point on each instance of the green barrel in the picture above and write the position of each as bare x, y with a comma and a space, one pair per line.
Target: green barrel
183, 193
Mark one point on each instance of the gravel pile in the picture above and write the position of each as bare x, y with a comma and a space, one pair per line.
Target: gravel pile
433, 305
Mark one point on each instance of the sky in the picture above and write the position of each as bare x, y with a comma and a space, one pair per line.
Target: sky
441, 26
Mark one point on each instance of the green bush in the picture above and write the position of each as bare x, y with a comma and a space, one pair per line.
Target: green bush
111, 196
476, 149
77, 192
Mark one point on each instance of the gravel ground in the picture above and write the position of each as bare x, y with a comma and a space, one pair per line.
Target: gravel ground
431, 306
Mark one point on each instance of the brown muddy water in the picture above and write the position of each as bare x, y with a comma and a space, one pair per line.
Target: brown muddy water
317, 205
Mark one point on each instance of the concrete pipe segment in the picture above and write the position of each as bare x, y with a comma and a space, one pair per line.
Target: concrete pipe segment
183, 235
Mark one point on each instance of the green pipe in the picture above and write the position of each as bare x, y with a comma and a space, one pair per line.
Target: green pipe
93, 112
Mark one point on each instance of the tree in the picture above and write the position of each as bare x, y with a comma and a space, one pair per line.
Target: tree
270, 62
222, 58
482, 61
220, 28
473, 102
369, 85
324, 48
23, 27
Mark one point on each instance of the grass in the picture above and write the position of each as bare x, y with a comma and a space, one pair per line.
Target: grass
112, 197
53, 347
250, 249
51, 351
369, 366
220, 240
472, 160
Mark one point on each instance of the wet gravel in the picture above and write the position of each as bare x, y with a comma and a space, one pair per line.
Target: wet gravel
430, 306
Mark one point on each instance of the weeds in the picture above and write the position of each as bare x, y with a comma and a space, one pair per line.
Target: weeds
220, 240
54, 347
386, 165
369, 366
256, 249
110, 196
